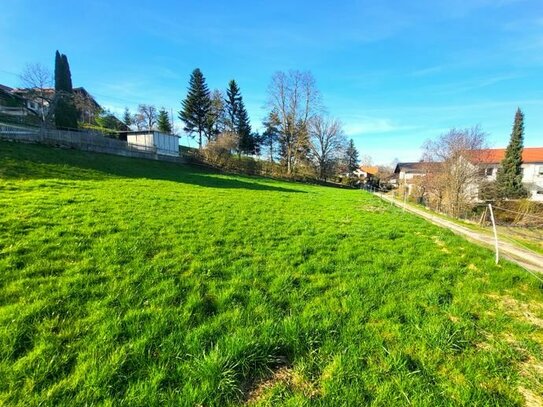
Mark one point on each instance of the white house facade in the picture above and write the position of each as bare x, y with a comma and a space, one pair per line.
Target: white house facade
532, 168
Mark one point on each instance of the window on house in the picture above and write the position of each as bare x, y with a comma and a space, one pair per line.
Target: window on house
541, 170
485, 172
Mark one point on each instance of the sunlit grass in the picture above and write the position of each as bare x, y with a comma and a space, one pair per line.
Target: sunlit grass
135, 282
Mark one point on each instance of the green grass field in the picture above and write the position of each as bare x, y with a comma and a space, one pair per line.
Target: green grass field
133, 282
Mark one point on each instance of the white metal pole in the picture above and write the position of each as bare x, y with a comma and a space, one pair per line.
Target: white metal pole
495, 233
404, 196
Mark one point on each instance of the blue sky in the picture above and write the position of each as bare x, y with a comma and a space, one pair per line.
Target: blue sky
395, 72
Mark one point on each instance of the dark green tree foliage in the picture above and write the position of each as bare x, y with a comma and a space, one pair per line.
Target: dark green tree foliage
107, 120
247, 144
270, 136
232, 101
196, 106
66, 114
351, 156
238, 120
509, 177
127, 117
163, 122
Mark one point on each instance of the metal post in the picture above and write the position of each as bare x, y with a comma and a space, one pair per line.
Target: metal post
495, 233
404, 196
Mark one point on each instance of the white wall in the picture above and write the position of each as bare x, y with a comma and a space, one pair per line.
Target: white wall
166, 144
143, 140
532, 174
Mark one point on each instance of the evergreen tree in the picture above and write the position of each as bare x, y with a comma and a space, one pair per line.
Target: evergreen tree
59, 73
509, 177
66, 114
271, 134
66, 74
238, 119
351, 156
163, 122
195, 112
246, 143
127, 117
232, 101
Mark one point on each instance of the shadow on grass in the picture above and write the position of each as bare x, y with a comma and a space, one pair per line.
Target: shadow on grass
30, 161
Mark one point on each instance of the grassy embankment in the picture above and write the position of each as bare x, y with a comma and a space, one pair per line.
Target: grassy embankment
134, 282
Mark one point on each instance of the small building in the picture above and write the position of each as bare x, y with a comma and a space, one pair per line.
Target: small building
155, 141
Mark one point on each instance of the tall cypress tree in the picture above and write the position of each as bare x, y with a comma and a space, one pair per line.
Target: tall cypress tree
196, 107
67, 74
66, 114
163, 122
59, 72
509, 177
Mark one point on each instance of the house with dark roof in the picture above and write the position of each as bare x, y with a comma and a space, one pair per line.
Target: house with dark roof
10, 103
34, 101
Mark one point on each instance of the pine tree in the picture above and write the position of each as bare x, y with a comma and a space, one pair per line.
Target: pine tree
232, 101
271, 134
238, 119
163, 122
66, 114
127, 117
246, 139
509, 177
351, 156
196, 107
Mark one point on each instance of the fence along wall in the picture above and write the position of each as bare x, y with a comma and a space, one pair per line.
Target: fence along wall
81, 140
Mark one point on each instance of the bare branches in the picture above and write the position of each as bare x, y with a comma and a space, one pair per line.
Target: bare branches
326, 142
296, 99
38, 79
146, 117
452, 176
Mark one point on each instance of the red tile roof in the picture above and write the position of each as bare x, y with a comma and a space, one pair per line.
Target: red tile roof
496, 155
369, 170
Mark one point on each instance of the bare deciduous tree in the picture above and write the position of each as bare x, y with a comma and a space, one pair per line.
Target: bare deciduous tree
295, 98
37, 79
326, 143
453, 174
146, 117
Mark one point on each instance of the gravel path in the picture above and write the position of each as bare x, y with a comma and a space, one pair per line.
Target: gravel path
526, 258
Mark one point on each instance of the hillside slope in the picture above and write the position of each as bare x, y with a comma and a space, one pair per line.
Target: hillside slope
135, 282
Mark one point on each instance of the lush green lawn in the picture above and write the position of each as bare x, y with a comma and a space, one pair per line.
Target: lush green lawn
132, 282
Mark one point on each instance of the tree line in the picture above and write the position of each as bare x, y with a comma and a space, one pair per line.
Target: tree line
298, 136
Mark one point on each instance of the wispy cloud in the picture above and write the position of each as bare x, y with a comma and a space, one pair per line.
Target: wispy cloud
372, 125
428, 71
